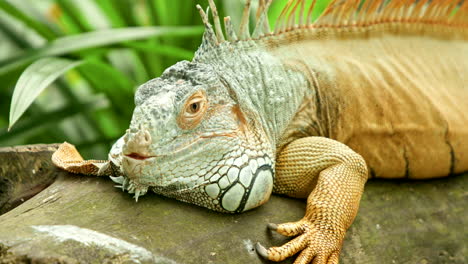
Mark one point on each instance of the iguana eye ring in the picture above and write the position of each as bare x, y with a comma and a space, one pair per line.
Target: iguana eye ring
193, 110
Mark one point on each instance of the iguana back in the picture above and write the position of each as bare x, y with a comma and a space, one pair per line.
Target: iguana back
397, 98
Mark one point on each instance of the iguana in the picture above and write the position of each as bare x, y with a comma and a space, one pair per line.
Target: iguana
309, 110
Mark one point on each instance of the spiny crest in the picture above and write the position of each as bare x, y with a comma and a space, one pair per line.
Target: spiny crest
215, 36
339, 14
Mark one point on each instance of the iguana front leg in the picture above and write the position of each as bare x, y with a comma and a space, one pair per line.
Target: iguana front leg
334, 175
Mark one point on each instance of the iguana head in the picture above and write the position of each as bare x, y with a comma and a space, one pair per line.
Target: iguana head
190, 140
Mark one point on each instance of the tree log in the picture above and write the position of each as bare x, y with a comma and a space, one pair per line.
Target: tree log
79, 219
24, 172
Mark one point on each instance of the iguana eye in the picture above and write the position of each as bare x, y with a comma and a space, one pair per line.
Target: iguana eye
194, 107
193, 111
195, 104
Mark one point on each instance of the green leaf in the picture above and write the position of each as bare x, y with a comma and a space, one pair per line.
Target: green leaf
70, 10
94, 39
34, 80
50, 119
160, 49
109, 9
28, 21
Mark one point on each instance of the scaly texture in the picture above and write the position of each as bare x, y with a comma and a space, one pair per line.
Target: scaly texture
381, 81
333, 178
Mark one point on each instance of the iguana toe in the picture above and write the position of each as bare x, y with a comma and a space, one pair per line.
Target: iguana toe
288, 229
313, 245
334, 258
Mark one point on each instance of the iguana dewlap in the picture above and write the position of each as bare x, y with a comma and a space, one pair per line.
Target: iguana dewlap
310, 110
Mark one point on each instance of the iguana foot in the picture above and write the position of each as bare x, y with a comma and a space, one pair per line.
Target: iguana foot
332, 177
315, 243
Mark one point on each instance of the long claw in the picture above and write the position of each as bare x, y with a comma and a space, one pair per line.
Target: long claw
261, 250
119, 179
137, 194
124, 184
272, 226
131, 188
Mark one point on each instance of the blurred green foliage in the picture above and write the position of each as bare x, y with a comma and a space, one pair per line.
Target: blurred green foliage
91, 105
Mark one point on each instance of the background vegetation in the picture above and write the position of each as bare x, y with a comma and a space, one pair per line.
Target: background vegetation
112, 46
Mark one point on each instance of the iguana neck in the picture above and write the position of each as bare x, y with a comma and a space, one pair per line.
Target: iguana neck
267, 89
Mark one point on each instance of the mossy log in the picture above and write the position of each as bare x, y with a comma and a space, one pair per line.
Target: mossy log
79, 219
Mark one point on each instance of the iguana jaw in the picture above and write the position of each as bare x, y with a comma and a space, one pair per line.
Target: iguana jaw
195, 174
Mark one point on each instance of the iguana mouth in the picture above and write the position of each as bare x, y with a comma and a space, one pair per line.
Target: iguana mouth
138, 156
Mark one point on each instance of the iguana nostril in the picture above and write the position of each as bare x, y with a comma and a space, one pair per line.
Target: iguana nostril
146, 137
136, 144
142, 138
